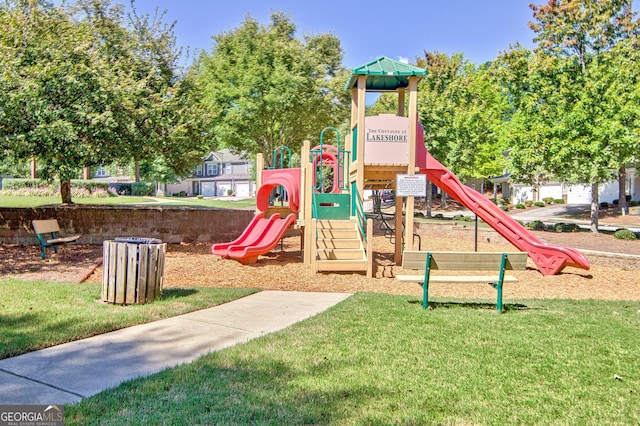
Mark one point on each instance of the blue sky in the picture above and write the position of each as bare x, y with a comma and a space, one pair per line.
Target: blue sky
366, 29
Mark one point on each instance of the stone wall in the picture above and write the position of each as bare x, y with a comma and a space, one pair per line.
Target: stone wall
98, 223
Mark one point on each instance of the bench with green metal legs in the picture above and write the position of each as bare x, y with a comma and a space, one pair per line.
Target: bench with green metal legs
462, 261
46, 232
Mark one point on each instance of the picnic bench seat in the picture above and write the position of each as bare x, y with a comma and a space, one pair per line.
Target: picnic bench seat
50, 227
462, 261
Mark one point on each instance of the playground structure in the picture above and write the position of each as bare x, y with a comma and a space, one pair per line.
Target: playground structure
324, 195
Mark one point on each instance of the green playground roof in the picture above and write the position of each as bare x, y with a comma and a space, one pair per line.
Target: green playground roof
384, 74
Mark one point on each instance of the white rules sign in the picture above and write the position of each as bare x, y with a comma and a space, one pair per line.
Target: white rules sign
411, 185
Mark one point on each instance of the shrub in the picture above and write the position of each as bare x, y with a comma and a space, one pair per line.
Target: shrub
634, 203
558, 201
616, 202
604, 205
539, 204
565, 227
17, 184
229, 192
505, 207
571, 227
528, 203
143, 188
462, 218
625, 234
548, 200
200, 196
44, 191
439, 216
122, 188
537, 225
521, 206
506, 200
89, 185
80, 192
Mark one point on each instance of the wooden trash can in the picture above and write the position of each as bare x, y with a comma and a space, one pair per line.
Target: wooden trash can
133, 270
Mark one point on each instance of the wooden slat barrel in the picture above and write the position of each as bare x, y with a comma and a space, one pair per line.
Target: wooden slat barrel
132, 272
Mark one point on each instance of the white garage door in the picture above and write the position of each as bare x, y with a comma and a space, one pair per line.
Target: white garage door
222, 189
242, 189
208, 189
579, 194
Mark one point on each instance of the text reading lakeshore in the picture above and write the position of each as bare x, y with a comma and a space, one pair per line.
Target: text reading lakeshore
382, 135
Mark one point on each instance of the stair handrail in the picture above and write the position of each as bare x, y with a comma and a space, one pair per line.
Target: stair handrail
314, 208
361, 218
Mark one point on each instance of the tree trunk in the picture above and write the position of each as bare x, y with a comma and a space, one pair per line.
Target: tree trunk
86, 173
65, 191
594, 207
137, 171
622, 190
34, 174
443, 199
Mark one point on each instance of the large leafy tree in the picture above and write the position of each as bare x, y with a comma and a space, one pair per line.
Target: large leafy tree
268, 88
462, 110
568, 121
165, 117
55, 105
80, 86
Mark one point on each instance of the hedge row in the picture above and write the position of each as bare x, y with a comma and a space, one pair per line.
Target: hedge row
16, 184
126, 188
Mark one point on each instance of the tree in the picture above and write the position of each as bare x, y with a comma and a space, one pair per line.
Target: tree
573, 82
462, 110
267, 88
50, 90
80, 87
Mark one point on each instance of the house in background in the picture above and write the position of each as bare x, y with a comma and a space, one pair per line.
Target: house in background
570, 193
219, 173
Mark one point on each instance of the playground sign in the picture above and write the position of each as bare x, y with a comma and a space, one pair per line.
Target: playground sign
411, 185
386, 139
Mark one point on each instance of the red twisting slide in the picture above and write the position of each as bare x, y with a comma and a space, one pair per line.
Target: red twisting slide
550, 259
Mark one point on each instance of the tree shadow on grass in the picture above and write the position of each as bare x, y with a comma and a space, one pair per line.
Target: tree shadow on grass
474, 305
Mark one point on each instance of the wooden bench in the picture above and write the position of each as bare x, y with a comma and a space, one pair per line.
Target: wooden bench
462, 261
50, 226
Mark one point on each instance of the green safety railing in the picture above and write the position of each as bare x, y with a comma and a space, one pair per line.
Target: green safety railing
314, 206
343, 159
360, 215
279, 158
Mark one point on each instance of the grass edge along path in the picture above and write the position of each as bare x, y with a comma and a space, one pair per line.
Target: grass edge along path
35, 315
378, 359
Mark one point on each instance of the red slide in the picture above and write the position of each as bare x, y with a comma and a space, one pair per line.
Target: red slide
550, 259
250, 235
262, 234
272, 233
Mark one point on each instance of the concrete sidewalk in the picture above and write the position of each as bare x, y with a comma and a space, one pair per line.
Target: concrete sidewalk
72, 371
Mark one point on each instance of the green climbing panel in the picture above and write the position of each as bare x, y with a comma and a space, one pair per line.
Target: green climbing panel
332, 206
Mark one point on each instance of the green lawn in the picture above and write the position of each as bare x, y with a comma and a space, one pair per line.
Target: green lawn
16, 201
35, 315
379, 359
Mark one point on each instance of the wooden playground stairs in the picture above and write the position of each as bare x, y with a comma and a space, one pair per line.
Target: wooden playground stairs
339, 246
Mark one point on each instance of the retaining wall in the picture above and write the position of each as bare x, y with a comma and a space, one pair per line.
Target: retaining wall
98, 223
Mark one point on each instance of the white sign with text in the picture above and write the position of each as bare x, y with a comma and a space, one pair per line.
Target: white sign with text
411, 185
